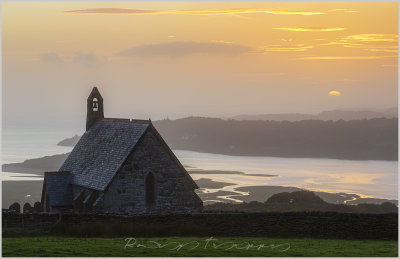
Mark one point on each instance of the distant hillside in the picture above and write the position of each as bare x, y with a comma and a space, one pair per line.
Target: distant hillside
374, 139
69, 142
37, 165
325, 115
276, 117
392, 111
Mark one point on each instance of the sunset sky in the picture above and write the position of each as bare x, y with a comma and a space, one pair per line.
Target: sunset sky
180, 59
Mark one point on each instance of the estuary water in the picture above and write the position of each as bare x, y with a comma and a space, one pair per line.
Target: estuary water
377, 179
366, 178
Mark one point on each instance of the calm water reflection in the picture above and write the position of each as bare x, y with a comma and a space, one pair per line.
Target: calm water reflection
367, 178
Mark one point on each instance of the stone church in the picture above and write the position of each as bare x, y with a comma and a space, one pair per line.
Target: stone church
120, 166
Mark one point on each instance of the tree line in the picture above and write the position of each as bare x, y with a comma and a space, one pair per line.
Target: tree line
367, 139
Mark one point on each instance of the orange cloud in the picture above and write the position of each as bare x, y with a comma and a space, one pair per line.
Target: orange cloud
312, 29
109, 11
349, 58
363, 39
370, 42
292, 12
116, 11
342, 10
392, 50
295, 47
371, 38
222, 41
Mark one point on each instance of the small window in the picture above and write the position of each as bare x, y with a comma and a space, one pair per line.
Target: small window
150, 190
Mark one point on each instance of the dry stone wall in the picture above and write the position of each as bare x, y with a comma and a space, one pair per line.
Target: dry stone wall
271, 224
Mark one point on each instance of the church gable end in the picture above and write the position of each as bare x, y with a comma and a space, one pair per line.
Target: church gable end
151, 180
120, 166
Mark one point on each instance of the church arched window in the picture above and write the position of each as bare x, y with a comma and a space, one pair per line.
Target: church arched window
150, 189
95, 105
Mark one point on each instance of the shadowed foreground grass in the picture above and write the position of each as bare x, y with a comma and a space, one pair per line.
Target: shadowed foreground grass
195, 246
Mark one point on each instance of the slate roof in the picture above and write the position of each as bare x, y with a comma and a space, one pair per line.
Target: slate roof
58, 188
102, 150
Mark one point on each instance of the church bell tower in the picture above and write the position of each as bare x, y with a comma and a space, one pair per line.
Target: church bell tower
94, 107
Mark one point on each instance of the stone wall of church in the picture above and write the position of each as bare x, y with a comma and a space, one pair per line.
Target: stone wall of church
172, 191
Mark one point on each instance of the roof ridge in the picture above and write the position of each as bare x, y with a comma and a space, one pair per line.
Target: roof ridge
125, 120
140, 121
113, 119
57, 173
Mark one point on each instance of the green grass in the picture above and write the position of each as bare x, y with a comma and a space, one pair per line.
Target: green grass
275, 247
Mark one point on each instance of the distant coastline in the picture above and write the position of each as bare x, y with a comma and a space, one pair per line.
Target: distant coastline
69, 142
37, 165
333, 115
366, 139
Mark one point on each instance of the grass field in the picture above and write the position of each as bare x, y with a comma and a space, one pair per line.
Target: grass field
194, 246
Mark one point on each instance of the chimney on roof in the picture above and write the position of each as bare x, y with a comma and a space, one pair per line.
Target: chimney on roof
94, 107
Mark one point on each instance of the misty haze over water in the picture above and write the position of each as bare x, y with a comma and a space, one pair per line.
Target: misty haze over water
368, 178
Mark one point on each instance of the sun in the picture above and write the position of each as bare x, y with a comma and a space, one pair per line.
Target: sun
334, 93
